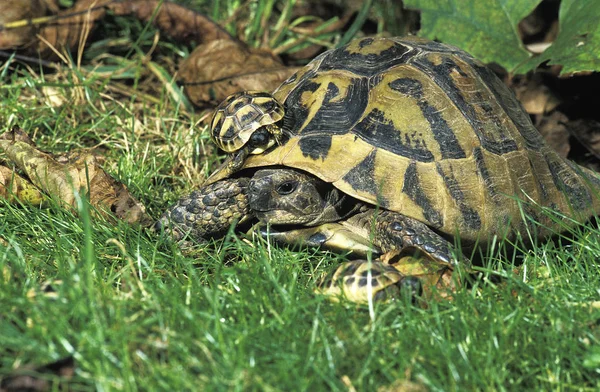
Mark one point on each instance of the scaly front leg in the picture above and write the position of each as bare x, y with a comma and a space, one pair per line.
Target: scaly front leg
208, 211
396, 232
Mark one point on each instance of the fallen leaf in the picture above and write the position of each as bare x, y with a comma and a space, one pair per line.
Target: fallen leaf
535, 96
50, 377
217, 69
541, 103
70, 28
178, 22
21, 35
555, 131
587, 131
80, 174
13, 188
219, 66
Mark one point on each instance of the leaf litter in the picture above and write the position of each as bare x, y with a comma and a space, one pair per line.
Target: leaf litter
63, 181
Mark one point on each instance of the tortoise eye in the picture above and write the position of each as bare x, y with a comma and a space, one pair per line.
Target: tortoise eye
287, 187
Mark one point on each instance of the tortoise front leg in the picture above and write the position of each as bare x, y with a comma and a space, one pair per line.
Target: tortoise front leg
207, 212
391, 232
396, 232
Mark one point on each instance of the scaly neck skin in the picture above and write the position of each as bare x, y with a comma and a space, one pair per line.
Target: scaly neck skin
337, 206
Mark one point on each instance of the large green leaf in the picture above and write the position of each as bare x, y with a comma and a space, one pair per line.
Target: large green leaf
488, 30
485, 28
577, 46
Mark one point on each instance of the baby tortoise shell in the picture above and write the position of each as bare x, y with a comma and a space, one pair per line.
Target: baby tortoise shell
423, 129
387, 280
242, 124
359, 281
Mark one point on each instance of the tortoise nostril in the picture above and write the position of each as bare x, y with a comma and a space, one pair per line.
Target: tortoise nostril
253, 187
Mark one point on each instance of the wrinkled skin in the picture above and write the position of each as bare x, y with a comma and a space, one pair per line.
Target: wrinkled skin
282, 196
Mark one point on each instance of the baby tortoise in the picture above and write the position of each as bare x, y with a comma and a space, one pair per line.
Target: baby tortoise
245, 124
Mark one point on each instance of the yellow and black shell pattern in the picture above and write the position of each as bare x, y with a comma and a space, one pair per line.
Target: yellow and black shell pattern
424, 129
236, 118
359, 281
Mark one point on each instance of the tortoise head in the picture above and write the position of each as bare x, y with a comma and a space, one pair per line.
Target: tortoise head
289, 196
247, 120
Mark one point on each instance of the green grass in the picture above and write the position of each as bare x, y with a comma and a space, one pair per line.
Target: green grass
136, 314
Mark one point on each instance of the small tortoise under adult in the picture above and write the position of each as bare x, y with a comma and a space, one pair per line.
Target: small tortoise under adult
385, 145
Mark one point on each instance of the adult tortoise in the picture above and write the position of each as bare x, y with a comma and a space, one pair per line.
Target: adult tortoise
406, 144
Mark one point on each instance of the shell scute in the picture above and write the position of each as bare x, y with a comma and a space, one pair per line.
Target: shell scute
470, 95
327, 103
413, 187
367, 57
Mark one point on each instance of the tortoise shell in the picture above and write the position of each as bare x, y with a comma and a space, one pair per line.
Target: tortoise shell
236, 118
424, 129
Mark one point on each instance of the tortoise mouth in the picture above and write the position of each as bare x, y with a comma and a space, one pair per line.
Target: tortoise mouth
278, 217
258, 208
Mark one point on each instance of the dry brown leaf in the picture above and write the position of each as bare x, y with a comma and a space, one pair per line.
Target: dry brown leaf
220, 68
555, 132
175, 20
70, 28
536, 97
81, 174
36, 379
538, 30
587, 131
540, 102
19, 10
13, 187
220, 65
